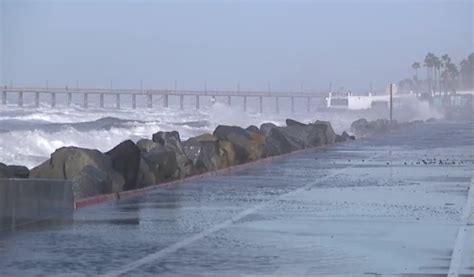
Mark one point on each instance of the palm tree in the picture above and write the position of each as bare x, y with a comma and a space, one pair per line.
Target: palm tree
416, 66
453, 73
446, 60
436, 66
429, 64
467, 72
445, 63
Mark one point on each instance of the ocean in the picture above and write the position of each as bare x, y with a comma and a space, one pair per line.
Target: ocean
29, 135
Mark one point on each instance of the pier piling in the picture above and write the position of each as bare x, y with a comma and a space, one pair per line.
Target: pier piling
117, 101
149, 101
134, 101
37, 99
292, 104
53, 100
4, 98
20, 99
85, 104
277, 105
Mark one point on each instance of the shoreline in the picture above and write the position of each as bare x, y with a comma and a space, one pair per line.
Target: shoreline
132, 169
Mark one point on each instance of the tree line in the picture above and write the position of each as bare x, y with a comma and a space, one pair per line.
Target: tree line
442, 75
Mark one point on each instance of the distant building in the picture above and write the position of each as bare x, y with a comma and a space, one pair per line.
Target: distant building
364, 102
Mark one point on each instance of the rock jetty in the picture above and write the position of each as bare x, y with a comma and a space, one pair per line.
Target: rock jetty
165, 157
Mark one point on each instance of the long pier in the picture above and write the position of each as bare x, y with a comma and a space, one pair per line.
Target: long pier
149, 94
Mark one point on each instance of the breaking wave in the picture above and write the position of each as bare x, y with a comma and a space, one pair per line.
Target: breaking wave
28, 136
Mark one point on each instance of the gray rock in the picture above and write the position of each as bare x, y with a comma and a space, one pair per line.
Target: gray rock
346, 136
253, 129
278, 143
296, 136
162, 163
68, 162
126, 160
145, 175
248, 146
166, 137
326, 128
173, 141
364, 128
146, 145
291, 122
265, 128
90, 181
205, 153
13, 171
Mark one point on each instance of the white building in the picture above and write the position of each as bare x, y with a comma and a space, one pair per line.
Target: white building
364, 102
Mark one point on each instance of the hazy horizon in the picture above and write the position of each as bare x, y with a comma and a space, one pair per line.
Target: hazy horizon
284, 44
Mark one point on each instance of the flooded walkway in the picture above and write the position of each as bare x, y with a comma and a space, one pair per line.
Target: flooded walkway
392, 205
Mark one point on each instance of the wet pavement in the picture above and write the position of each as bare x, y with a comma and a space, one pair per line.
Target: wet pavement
392, 205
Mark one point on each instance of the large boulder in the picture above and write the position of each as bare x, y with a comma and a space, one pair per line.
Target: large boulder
162, 162
253, 129
13, 171
173, 141
347, 136
278, 143
296, 136
145, 175
126, 160
364, 128
167, 138
207, 153
326, 128
291, 122
248, 146
344, 137
68, 163
265, 128
90, 181
227, 154
359, 124
146, 145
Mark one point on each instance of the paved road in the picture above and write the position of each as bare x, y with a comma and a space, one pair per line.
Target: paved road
366, 208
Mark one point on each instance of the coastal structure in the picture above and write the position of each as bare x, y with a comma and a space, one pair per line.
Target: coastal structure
135, 96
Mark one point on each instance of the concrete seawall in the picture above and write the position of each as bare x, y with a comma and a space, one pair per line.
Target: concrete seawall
26, 201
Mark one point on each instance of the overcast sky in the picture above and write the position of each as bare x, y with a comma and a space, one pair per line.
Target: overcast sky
282, 43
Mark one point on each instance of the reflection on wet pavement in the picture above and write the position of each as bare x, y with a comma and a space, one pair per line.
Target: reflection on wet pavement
378, 206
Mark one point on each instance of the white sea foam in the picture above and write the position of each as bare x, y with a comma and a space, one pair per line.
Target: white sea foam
28, 136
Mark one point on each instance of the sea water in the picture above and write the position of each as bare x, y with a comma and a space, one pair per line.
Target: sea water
29, 135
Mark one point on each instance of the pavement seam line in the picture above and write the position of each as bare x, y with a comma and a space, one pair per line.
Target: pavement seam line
458, 249
180, 244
